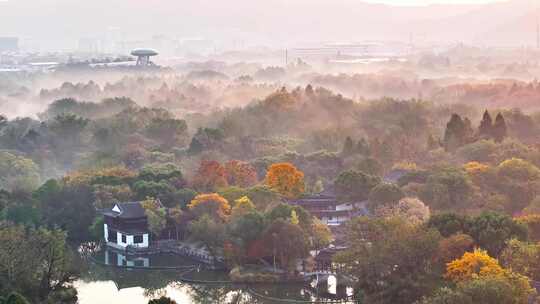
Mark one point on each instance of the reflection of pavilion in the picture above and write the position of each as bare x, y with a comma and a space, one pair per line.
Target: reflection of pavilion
331, 287
115, 258
155, 282
125, 278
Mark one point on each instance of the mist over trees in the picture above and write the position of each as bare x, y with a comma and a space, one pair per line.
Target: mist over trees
441, 173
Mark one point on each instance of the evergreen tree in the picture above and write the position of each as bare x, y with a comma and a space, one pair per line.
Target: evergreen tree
499, 128
362, 147
162, 300
485, 129
468, 135
455, 133
309, 90
195, 146
348, 147
15, 298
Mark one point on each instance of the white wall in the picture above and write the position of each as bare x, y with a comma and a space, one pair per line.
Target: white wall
145, 242
106, 232
119, 240
130, 240
344, 207
336, 220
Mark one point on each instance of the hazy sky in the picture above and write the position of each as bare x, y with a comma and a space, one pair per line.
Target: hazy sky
62, 24
409, 2
426, 2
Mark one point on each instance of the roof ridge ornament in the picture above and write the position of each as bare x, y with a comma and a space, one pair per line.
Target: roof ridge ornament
116, 208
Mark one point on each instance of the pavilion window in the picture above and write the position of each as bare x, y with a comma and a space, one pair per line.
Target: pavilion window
138, 239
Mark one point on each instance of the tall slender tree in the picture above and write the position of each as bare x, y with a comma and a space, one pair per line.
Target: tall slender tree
348, 147
485, 129
455, 133
499, 128
362, 147
468, 136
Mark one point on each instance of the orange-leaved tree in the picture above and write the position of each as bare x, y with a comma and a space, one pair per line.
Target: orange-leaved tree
211, 204
241, 174
210, 176
285, 179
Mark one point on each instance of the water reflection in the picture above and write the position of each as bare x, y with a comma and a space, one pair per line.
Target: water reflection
105, 284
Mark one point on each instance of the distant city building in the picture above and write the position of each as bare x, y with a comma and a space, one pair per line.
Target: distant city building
9, 44
89, 45
195, 46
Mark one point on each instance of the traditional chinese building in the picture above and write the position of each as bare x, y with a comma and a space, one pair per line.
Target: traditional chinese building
126, 225
328, 209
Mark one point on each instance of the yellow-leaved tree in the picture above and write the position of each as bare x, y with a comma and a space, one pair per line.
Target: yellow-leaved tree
474, 168
478, 266
479, 173
473, 264
156, 214
212, 204
294, 218
242, 206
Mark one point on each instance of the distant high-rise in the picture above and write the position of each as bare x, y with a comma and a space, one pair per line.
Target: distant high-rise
9, 44
537, 34
89, 45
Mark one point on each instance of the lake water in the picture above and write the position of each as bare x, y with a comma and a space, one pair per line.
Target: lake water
101, 284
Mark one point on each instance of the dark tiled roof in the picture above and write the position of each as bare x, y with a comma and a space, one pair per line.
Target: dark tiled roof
326, 196
328, 192
326, 254
129, 210
133, 231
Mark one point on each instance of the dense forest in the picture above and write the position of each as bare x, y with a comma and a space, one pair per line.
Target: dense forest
451, 185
